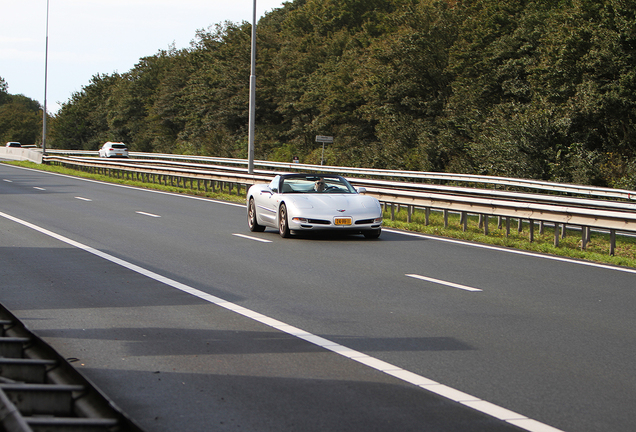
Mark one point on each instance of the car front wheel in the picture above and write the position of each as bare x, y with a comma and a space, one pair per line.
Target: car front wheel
251, 218
283, 226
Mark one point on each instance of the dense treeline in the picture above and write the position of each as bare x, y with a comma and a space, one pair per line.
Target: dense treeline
20, 117
536, 89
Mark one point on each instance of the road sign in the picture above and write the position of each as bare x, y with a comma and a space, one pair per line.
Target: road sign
324, 139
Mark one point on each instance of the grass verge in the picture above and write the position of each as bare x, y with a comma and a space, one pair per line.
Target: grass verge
597, 250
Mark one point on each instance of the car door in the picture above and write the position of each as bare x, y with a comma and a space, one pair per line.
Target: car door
267, 202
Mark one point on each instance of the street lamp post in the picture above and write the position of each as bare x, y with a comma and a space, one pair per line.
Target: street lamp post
46, 67
252, 108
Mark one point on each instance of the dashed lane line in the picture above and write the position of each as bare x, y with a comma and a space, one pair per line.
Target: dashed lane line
441, 282
252, 238
147, 214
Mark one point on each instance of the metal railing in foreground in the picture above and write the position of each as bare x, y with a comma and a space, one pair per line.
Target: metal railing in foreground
613, 216
41, 391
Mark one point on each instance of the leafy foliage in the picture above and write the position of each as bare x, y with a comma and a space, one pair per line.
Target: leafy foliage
533, 89
20, 117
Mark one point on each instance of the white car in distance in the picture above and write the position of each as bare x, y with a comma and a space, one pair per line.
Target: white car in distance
113, 149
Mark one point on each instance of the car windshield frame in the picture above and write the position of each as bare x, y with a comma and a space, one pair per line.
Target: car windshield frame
315, 184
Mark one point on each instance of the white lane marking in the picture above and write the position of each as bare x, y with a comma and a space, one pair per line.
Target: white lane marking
7, 180
475, 403
38, 188
512, 251
252, 238
132, 187
147, 214
441, 282
83, 199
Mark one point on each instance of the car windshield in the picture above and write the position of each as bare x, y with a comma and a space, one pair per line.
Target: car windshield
316, 184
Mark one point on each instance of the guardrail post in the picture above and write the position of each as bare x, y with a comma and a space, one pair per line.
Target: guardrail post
531, 230
392, 211
499, 222
464, 221
445, 218
480, 223
520, 225
612, 241
541, 227
564, 231
583, 238
427, 215
409, 213
485, 224
556, 235
507, 226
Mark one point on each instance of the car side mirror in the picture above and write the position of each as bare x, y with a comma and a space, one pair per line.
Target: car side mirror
362, 190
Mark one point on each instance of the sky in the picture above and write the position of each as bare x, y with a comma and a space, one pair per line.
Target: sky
87, 37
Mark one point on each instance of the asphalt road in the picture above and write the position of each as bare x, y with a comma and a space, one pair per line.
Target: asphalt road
190, 322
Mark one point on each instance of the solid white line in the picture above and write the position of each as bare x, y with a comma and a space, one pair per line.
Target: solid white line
7, 180
147, 214
512, 251
380, 365
252, 238
38, 188
441, 282
83, 199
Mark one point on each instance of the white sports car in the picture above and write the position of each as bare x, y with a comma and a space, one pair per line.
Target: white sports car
312, 202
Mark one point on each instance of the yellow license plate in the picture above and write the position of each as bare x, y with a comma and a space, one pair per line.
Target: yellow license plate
342, 221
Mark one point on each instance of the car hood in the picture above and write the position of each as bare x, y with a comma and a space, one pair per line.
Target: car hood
335, 201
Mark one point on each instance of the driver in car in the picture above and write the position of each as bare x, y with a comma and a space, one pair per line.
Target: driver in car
319, 186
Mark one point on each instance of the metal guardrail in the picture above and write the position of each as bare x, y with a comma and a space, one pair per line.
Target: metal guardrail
599, 214
414, 176
41, 391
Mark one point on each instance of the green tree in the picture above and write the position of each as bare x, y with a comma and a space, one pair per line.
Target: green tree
528, 88
20, 117
587, 73
4, 91
82, 121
